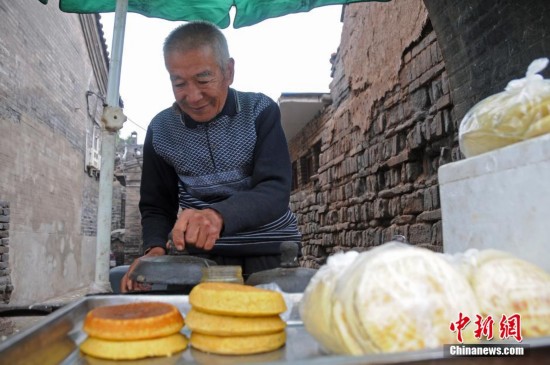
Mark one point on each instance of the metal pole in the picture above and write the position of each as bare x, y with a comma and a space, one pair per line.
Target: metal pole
108, 140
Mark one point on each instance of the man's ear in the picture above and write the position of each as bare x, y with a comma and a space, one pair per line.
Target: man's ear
230, 70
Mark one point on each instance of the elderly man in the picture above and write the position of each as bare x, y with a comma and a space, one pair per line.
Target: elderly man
216, 167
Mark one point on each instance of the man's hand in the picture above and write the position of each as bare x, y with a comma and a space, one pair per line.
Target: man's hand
126, 284
199, 228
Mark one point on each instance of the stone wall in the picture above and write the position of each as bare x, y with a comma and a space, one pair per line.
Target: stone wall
382, 140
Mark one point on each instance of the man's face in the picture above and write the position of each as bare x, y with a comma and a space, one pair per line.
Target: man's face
200, 86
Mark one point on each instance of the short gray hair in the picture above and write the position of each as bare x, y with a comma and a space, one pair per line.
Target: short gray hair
198, 34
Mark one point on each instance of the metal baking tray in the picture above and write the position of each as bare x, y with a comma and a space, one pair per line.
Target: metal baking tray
56, 340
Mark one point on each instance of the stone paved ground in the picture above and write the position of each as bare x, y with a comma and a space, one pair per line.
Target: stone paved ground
10, 326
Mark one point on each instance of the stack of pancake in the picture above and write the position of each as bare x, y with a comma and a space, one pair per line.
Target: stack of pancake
134, 331
235, 319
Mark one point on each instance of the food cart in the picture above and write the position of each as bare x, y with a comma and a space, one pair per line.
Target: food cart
56, 339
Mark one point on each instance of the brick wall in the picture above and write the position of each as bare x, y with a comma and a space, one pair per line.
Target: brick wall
118, 208
6, 286
90, 199
46, 72
488, 43
132, 238
399, 94
379, 157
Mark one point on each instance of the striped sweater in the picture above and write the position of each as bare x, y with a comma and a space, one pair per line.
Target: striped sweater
237, 164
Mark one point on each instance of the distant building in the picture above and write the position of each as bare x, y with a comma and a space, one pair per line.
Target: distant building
128, 172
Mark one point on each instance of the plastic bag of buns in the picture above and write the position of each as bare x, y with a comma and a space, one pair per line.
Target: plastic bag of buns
397, 297
506, 285
520, 112
316, 305
392, 298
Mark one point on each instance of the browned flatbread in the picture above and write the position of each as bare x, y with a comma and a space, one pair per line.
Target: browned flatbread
134, 321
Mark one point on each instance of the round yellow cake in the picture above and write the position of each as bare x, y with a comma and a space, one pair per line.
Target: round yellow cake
238, 345
134, 321
213, 324
236, 300
134, 349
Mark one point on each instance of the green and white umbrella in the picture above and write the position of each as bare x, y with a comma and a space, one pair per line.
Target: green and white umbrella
248, 12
